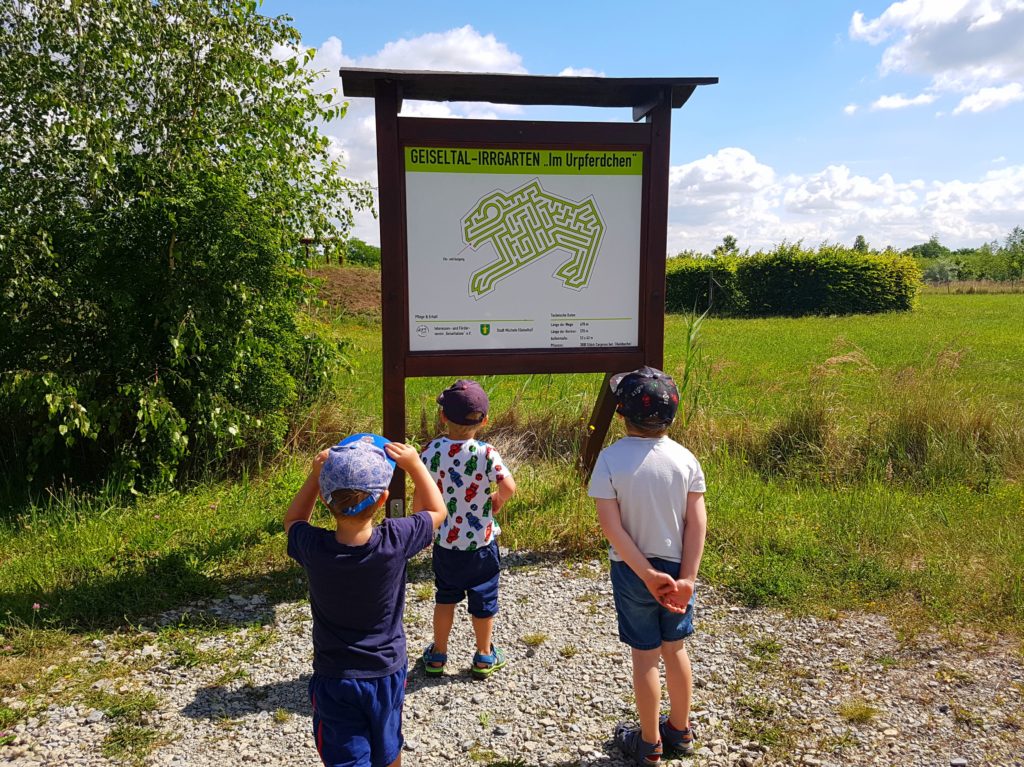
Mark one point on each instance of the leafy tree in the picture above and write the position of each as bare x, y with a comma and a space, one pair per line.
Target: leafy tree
860, 244
158, 163
931, 249
1013, 249
941, 271
727, 248
362, 254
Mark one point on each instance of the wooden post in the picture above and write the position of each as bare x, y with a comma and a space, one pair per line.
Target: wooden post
597, 428
393, 278
660, 119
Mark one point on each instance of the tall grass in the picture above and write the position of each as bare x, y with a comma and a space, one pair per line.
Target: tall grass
851, 462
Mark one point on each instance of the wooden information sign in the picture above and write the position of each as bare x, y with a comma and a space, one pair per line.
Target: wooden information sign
520, 246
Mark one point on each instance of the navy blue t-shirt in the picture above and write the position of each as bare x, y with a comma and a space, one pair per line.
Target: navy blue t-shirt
358, 594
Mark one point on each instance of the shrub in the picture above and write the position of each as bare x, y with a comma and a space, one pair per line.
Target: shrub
703, 284
150, 257
792, 281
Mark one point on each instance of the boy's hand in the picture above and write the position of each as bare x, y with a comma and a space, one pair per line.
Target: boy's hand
660, 584
678, 599
406, 456
318, 463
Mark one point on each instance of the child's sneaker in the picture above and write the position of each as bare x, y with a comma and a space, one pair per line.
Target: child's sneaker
485, 665
630, 743
676, 741
433, 662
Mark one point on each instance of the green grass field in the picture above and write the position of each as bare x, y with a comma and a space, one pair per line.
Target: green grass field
856, 462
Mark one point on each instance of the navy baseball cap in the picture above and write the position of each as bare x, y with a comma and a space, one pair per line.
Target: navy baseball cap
646, 397
357, 463
462, 398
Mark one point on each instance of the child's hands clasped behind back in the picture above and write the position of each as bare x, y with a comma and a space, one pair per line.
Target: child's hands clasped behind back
672, 594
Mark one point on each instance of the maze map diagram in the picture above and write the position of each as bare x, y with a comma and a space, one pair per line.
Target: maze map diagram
527, 224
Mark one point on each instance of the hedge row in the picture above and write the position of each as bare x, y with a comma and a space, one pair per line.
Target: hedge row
791, 281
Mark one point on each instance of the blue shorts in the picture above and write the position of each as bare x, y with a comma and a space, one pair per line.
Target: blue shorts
643, 623
358, 722
472, 574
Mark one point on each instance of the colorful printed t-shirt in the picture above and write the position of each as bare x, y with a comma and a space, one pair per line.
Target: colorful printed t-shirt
464, 471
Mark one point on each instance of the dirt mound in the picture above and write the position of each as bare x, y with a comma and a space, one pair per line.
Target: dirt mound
350, 289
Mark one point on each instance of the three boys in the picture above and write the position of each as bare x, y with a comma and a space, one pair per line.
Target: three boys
649, 494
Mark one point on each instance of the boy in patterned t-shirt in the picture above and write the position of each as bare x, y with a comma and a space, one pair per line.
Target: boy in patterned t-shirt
466, 558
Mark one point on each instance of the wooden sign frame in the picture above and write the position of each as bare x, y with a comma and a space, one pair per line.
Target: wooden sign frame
651, 99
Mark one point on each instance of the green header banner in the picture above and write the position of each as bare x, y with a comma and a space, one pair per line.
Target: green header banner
572, 162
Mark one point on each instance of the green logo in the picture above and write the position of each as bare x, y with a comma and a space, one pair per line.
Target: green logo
485, 329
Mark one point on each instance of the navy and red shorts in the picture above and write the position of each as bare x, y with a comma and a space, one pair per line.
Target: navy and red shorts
358, 722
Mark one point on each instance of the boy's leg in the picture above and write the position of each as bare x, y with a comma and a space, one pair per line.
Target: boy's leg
482, 596
647, 689
444, 617
483, 628
679, 680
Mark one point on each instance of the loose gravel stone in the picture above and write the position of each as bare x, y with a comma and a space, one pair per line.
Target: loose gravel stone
771, 689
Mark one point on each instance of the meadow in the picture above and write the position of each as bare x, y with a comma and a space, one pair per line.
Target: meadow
864, 462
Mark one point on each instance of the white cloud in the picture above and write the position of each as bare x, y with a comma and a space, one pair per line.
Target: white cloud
581, 72
728, 192
899, 101
457, 50
990, 98
963, 46
731, 192
850, 109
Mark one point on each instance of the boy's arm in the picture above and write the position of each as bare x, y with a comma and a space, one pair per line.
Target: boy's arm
426, 497
301, 507
658, 583
693, 547
506, 489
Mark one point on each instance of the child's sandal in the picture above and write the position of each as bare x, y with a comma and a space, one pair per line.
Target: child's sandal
678, 742
635, 748
433, 662
485, 665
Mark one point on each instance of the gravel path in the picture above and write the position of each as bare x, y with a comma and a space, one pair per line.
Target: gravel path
771, 689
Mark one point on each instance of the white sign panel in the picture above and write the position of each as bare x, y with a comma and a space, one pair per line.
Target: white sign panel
513, 248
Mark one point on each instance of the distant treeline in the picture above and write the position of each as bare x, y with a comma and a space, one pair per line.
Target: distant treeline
791, 280
995, 261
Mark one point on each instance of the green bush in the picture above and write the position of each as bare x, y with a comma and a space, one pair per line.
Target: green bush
792, 281
703, 284
150, 257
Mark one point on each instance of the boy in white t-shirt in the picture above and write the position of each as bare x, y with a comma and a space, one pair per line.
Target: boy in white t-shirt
649, 493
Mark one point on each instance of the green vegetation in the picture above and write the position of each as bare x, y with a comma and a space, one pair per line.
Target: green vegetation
168, 164
867, 461
792, 281
857, 711
534, 640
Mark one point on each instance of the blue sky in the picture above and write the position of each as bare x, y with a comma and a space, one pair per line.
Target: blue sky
832, 119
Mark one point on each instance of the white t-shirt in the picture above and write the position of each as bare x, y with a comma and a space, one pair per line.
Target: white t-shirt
650, 478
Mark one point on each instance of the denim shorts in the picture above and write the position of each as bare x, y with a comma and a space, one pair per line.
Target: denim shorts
468, 574
643, 623
358, 722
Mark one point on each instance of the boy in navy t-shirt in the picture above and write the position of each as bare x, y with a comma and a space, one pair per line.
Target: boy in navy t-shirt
357, 593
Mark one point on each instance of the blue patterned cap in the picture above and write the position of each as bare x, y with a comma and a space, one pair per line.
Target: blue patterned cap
357, 463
